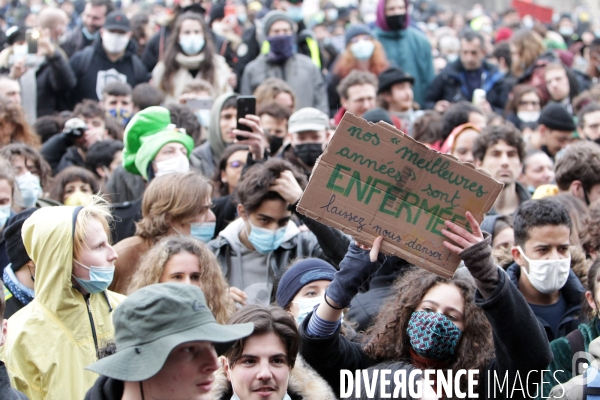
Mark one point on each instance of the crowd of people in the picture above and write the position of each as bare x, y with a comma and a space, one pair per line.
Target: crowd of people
151, 246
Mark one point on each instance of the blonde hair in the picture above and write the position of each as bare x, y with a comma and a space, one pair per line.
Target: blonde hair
215, 288
174, 197
99, 210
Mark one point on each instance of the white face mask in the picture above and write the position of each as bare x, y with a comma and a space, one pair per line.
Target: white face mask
547, 276
20, 50
528, 116
29, 186
114, 43
177, 164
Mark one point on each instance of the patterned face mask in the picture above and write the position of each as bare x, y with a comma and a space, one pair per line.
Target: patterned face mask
432, 335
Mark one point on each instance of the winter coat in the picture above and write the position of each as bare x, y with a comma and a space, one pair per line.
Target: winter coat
410, 50
296, 244
93, 69
205, 157
522, 194
75, 41
126, 215
106, 389
54, 78
450, 84
124, 186
561, 368
572, 292
129, 250
573, 389
183, 76
54, 337
516, 351
304, 384
298, 71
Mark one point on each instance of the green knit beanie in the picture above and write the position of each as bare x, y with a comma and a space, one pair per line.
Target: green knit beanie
147, 132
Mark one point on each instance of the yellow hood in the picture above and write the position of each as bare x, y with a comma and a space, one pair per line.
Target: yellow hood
50, 340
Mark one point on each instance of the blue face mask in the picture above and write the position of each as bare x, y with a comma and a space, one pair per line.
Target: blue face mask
191, 44
29, 186
100, 278
295, 13
363, 49
306, 307
266, 240
203, 231
4, 214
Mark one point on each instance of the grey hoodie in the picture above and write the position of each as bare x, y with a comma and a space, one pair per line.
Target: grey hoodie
206, 157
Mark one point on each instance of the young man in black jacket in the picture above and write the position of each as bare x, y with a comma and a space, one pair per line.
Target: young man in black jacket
111, 57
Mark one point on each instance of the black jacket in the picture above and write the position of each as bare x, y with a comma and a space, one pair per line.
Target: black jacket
517, 350
105, 389
92, 63
522, 193
54, 78
450, 84
573, 292
60, 153
126, 215
75, 41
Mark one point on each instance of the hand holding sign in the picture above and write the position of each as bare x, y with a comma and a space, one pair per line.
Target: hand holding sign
461, 236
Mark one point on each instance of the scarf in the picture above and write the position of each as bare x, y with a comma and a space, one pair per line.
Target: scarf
189, 62
20, 291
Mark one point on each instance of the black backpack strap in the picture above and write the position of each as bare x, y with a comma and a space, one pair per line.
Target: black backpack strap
575, 339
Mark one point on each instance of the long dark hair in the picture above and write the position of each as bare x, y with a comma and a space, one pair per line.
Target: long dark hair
207, 66
387, 339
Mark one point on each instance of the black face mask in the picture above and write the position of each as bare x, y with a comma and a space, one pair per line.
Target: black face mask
396, 22
308, 152
275, 144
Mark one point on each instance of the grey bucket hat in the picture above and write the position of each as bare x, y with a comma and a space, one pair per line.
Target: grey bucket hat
151, 322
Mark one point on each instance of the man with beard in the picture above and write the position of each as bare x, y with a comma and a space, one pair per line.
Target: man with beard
500, 151
93, 18
308, 135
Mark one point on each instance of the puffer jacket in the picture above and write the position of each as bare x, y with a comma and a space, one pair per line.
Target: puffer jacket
54, 337
304, 384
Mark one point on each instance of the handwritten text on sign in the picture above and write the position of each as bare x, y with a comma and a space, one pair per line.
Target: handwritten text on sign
375, 181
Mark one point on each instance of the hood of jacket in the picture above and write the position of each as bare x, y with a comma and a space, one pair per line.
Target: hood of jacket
58, 315
105, 389
215, 138
231, 232
573, 290
304, 384
380, 21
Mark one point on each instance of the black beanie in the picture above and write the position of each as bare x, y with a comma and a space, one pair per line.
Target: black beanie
391, 76
556, 118
217, 11
15, 249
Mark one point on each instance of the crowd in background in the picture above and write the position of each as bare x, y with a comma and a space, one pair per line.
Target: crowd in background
124, 167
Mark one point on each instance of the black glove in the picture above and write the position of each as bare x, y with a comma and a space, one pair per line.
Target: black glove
355, 269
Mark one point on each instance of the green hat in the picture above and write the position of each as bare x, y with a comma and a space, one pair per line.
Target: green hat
147, 132
151, 322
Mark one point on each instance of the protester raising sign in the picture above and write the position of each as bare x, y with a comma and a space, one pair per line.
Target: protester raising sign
375, 181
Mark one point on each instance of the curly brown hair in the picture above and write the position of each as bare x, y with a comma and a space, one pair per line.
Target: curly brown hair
207, 70
387, 338
215, 288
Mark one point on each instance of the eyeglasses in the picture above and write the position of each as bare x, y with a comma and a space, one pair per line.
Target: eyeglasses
236, 164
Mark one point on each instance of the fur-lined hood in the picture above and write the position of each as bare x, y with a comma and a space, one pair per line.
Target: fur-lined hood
305, 384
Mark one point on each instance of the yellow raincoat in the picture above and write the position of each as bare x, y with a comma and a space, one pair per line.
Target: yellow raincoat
50, 340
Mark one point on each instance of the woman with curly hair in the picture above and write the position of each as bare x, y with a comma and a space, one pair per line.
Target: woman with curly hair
14, 127
184, 259
190, 54
447, 324
363, 52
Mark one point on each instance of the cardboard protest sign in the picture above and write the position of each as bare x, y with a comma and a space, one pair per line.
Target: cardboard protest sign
375, 181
